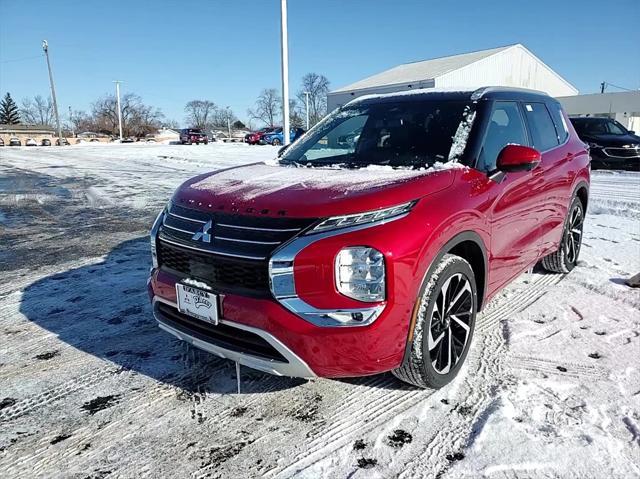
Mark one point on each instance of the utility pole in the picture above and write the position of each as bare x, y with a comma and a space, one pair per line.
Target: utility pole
284, 44
229, 121
306, 102
45, 47
602, 86
117, 82
73, 133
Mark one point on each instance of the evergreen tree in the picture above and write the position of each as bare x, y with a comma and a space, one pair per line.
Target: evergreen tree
9, 114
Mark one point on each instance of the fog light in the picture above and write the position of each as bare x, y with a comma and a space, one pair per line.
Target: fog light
360, 273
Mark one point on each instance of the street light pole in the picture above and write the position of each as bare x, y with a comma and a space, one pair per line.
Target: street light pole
306, 102
117, 82
229, 121
284, 44
45, 47
73, 133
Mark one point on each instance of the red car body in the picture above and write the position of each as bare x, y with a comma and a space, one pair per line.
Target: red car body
255, 137
503, 223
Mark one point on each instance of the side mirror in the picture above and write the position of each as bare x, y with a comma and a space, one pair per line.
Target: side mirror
631, 132
517, 158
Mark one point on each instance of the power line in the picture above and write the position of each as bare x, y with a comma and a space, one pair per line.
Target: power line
605, 84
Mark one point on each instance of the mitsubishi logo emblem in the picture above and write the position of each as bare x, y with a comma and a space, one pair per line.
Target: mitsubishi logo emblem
203, 234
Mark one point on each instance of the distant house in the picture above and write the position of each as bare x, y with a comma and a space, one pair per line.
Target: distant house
91, 134
25, 132
167, 135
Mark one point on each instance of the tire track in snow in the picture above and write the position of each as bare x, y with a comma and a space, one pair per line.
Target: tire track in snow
387, 404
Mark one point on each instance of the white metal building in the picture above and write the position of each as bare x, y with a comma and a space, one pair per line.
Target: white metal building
512, 65
622, 106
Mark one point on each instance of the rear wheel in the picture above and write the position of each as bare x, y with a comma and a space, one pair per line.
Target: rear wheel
275, 142
445, 320
566, 258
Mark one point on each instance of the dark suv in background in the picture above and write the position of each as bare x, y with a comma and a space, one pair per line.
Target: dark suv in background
193, 135
611, 144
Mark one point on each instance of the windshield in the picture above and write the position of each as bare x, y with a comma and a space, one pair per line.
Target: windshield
599, 127
405, 134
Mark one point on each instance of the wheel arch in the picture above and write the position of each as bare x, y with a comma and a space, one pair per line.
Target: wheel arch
468, 245
582, 192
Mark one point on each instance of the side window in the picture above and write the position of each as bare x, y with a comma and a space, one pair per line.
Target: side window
542, 129
559, 121
505, 127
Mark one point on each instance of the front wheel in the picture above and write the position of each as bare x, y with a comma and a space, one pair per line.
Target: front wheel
566, 258
444, 324
275, 142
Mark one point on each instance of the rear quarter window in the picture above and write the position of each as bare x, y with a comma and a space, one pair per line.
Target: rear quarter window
543, 131
559, 122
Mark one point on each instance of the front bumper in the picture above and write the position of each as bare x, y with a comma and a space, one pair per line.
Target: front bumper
609, 160
292, 365
309, 350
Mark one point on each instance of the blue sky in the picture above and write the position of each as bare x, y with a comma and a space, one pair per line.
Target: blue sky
170, 52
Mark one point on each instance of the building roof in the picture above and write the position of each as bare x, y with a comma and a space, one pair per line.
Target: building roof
422, 70
26, 128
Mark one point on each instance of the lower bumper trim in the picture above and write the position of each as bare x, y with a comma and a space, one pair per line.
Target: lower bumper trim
293, 367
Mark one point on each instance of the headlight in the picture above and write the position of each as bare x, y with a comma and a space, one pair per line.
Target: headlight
336, 222
360, 273
153, 234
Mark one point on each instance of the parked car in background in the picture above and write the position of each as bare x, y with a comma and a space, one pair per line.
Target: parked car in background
441, 201
611, 144
276, 137
45, 142
13, 141
193, 135
254, 138
65, 142
128, 139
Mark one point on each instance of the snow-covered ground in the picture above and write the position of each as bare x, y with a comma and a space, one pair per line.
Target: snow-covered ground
90, 387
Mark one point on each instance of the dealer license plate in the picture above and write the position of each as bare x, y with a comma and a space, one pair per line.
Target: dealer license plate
197, 303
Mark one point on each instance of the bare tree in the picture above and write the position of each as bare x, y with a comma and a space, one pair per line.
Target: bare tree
137, 118
296, 114
80, 122
267, 107
317, 86
37, 111
200, 113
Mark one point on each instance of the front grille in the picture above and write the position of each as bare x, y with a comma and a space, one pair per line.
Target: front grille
223, 335
236, 260
226, 275
622, 152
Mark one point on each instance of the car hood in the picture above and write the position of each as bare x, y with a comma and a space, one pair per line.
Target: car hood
612, 140
274, 190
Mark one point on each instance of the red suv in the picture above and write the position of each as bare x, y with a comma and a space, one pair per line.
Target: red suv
372, 242
193, 135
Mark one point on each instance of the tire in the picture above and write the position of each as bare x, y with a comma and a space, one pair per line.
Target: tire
566, 258
275, 142
453, 278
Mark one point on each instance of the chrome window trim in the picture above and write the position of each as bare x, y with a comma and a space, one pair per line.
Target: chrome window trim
283, 288
295, 367
213, 251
